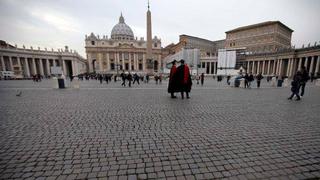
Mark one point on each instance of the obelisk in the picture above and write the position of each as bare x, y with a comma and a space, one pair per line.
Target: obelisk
149, 43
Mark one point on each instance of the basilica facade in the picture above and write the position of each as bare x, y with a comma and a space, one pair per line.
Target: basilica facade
122, 51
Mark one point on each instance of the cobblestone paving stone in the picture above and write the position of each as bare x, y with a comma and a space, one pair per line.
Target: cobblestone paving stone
123, 133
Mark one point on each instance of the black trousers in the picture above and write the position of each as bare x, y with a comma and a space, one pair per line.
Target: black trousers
294, 93
258, 83
302, 86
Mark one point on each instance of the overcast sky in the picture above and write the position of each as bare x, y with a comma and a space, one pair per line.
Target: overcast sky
56, 23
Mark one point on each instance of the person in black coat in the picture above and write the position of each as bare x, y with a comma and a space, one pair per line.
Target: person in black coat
295, 85
129, 77
123, 77
202, 79
184, 82
259, 77
304, 79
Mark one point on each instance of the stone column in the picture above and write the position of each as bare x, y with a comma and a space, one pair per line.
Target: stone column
41, 67
280, 67
108, 61
74, 73
263, 66
48, 67
288, 67
130, 61
34, 67
306, 62
274, 67
100, 62
64, 67
258, 68
248, 66
144, 62
2, 64
268, 68
11, 65
135, 62
210, 67
26, 65
160, 63
311, 65
317, 65
19, 64
215, 68
54, 63
252, 67
277, 66
300, 63
122, 56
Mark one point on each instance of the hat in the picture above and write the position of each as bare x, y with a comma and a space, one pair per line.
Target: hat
181, 61
174, 61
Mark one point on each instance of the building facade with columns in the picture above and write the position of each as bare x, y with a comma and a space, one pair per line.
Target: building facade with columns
286, 62
122, 51
26, 62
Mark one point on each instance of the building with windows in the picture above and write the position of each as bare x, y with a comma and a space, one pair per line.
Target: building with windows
208, 51
26, 62
123, 51
268, 50
270, 36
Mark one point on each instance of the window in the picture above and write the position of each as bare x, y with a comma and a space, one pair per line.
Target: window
140, 66
127, 66
92, 42
155, 45
132, 67
208, 53
203, 65
112, 66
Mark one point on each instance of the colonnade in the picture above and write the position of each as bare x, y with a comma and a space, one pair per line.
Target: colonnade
284, 66
28, 66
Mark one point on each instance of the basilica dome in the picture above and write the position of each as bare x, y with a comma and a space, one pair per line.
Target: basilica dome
122, 31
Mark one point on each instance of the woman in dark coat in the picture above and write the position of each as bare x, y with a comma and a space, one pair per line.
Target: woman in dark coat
172, 82
184, 82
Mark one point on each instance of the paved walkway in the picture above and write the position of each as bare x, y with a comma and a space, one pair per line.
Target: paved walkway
109, 132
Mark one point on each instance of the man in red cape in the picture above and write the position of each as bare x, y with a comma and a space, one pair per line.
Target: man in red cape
184, 82
172, 87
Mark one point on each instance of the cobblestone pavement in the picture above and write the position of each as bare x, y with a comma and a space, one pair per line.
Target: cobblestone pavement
132, 133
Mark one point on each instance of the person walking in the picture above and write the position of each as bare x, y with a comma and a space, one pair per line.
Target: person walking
135, 78
228, 79
295, 86
100, 78
259, 77
304, 79
172, 86
184, 82
246, 80
129, 77
202, 79
250, 79
123, 76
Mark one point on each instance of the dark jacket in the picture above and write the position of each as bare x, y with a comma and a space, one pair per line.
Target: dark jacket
259, 77
304, 76
182, 85
295, 84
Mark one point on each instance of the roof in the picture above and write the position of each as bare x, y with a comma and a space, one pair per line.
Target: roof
259, 25
195, 38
